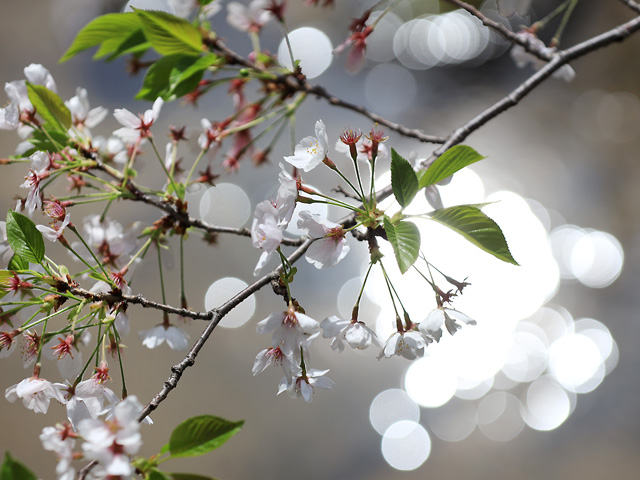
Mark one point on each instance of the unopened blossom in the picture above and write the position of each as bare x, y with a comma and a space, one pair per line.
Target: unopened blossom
249, 18
311, 151
290, 329
136, 127
35, 393
432, 325
522, 57
156, 336
331, 246
303, 385
410, 345
112, 442
61, 440
354, 333
35, 74
275, 356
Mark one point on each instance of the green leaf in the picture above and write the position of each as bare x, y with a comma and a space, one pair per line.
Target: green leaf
173, 76
41, 141
24, 238
110, 31
5, 277
17, 263
199, 435
169, 34
454, 159
189, 476
403, 179
49, 106
405, 239
156, 474
13, 470
478, 228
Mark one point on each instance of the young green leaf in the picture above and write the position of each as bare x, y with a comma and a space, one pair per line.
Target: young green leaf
454, 159
50, 107
173, 76
188, 476
17, 263
13, 470
169, 34
478, 228
52, 141
110, 31
405, 239
403, 179
24, 238
199, 435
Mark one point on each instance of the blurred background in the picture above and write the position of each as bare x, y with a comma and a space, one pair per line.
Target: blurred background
545, 386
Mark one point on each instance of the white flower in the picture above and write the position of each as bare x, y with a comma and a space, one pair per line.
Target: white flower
286, 198
311, 151
10, 115
82, 113
184, 8
5, 250
111, 442
35, 393
302, 386
523, 58
331, 246
432, 325
291, 330
56, 231
136, 127
275, 356
156, 336
58, 440
409, 345
356, 334
248, 19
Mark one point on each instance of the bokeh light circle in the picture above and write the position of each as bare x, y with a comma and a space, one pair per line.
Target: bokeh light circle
391, 406
221, 291
406, 445
312, 47
430, 382
225, 205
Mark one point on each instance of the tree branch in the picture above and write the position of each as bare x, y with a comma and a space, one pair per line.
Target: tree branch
632, 5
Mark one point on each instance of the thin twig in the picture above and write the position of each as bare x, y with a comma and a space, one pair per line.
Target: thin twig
502, 30
632, 5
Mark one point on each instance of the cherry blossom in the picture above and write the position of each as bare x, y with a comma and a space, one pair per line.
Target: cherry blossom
291, 330
275, 356
410, 345
363, 148
83, 116
432, 325
10, 115
111, 442
156, 336
39, 170
311, 151
331, 246
354, 333
35, 393
55, 231
5, 250
60, 440
136, 127
303, 385
248, 19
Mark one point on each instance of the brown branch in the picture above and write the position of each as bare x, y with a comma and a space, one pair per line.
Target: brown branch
502, 30
632, 5
559, 59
